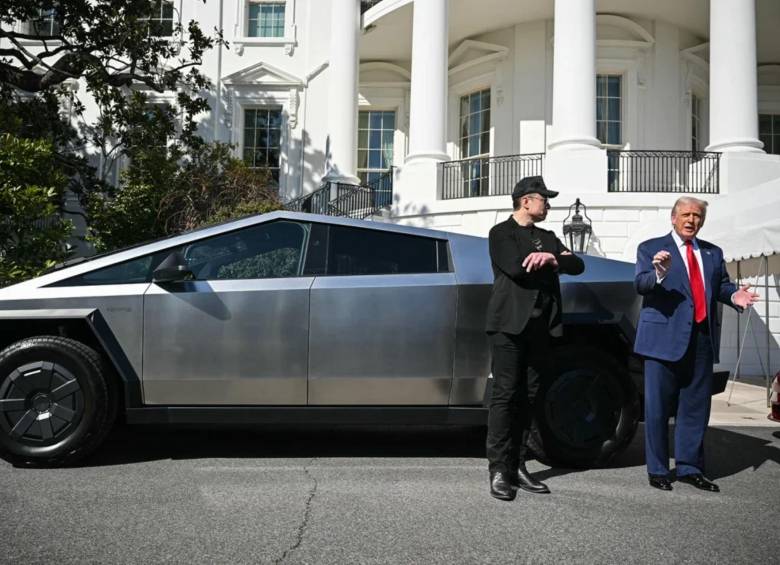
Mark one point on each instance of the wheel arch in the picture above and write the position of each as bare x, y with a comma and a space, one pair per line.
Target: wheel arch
613, 339
85, 325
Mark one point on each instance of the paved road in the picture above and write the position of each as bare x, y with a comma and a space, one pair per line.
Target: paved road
379, 496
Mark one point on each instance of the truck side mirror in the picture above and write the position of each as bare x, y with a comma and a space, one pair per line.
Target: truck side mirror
173, 268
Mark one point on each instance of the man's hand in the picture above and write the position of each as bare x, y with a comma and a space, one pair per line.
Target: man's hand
539, 259
661, 262
744, 298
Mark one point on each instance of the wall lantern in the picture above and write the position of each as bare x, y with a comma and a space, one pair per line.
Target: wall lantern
578, 230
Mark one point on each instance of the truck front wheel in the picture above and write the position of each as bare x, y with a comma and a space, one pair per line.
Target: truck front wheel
587, 412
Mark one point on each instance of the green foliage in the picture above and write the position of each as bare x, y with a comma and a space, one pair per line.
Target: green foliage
178, 188
31, 187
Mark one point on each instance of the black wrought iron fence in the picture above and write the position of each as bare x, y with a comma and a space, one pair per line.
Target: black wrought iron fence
663, 171
315, 202
347, 199
487, 176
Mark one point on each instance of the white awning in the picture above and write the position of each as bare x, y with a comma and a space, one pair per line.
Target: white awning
746, 224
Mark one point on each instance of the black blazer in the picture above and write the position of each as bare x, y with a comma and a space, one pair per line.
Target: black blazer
514, 289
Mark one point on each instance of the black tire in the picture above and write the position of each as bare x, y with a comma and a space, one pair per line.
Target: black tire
587, 412
55, 402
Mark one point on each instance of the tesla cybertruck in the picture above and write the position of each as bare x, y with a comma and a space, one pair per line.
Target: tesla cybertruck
299, 318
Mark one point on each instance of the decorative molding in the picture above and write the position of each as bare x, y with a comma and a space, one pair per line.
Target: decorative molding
294, 104
642, 39
694, 55
490, 52
265, 74
399, 76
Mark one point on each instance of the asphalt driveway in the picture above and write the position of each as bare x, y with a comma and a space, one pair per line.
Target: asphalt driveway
309, 495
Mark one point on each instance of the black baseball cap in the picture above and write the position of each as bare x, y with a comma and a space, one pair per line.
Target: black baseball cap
532, 185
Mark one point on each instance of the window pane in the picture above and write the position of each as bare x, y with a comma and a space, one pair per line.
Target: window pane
601, 109
363, 120
362, 158
485, 99
355, 251
375, 159
614, 108
265, 251
613, 133
776, 123
601, 131
475, 123
613, 88
275, 118
363, 139
375, 139
375, 120
134, 271
388, 121
464, 105
601, 85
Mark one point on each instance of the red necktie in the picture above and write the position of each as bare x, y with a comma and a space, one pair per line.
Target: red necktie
697, 285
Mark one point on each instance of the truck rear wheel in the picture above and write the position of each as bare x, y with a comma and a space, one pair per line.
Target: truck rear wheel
587, 412
55, 406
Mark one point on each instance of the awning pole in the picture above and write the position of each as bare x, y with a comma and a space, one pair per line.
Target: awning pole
768, 332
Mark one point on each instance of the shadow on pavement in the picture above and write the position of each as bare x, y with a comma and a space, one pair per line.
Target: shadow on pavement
135, 444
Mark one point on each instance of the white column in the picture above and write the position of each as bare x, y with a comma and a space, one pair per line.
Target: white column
343, 92
574, 75
428, 104
733, 77
575, 162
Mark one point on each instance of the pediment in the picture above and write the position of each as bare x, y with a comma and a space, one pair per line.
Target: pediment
265, 74
699, 55
470, 53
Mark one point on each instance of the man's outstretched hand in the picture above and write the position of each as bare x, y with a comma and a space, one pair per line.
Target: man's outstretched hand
744, 298
538, 259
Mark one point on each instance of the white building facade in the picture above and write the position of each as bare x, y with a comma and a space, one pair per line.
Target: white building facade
624, 104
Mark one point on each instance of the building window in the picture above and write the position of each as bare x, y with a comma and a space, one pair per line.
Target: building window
46, 24
266, 19
375, 144
263, 139
608, 114
475, 141
161, 20
769, 132
695, 123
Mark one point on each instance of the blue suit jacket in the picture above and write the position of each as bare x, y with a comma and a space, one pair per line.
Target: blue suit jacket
666, 318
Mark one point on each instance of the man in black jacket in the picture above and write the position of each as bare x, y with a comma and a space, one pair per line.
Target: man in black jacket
523, 312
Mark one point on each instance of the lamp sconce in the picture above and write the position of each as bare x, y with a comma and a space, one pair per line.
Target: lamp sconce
578, 229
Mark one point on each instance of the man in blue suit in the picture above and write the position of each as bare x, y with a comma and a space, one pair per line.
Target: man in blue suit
682, 278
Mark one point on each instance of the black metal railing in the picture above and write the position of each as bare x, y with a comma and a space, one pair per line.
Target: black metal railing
663, 171
366, 5
487, 176
315, 202
354, 201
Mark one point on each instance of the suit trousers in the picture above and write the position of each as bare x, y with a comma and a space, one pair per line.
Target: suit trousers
688, 383
520, 363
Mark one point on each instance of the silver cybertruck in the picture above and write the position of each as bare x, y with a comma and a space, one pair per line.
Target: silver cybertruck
288, 318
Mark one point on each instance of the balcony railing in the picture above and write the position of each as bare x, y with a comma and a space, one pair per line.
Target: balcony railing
349, 200
487, 176
663, 171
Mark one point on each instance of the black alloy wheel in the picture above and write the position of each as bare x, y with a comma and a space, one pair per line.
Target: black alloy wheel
55, 403
587, 412
40, 403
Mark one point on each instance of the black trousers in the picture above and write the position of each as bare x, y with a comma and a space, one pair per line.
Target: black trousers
520, 363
